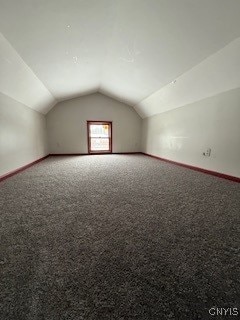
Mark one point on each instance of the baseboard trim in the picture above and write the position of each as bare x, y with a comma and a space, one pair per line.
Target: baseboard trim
210, 172
67, 154
90, 154
16, 171
127, 152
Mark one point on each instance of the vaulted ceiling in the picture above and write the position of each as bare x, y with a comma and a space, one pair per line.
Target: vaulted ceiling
131, 50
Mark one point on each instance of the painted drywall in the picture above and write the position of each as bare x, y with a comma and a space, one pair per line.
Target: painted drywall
127, 48
218, 73
183, 134
23, 136
19, 82
67, 124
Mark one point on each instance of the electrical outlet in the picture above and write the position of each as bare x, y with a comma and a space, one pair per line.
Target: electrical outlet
207, 153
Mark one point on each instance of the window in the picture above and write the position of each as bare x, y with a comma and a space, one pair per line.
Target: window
99, 136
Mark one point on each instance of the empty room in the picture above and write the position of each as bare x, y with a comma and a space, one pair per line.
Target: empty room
119, 159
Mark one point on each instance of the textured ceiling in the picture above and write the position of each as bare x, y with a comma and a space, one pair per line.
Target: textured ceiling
127, 49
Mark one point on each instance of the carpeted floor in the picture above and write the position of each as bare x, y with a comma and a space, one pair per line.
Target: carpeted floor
118, 237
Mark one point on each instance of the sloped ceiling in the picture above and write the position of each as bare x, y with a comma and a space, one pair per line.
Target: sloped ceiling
131, 50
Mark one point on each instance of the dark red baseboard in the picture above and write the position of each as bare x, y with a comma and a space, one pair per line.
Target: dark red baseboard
90, 154
67, 154
213, 173
11, 173
127, 153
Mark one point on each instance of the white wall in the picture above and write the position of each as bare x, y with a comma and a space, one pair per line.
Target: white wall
183, 134
67, 124
218, 73
22, 135
19, 82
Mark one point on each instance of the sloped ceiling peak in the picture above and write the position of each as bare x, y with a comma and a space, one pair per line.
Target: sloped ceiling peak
129, 49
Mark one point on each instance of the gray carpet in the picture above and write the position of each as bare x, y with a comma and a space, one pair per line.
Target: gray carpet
118, 237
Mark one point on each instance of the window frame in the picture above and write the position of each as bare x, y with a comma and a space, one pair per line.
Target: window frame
101, 122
